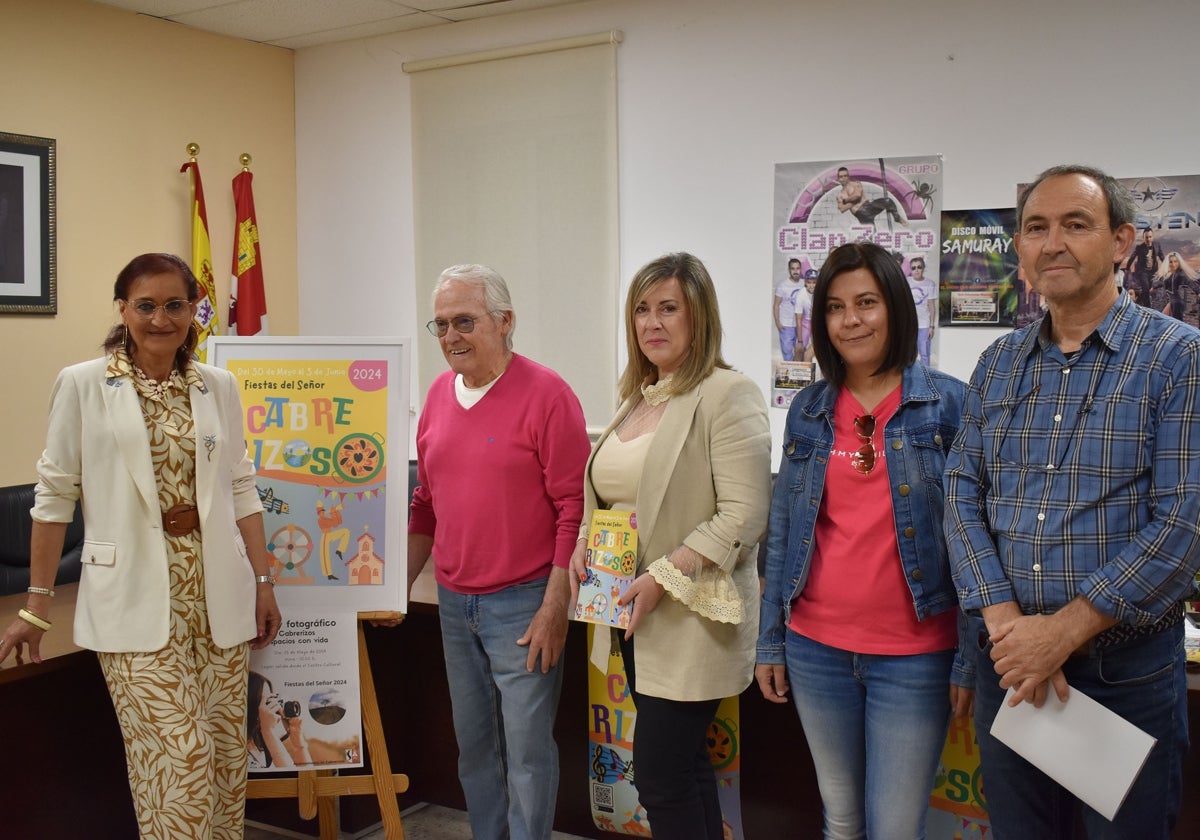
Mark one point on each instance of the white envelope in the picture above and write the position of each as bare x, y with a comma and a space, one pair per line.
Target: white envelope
1091, 751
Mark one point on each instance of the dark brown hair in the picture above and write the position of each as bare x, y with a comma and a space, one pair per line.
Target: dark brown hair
143, 266
893, 286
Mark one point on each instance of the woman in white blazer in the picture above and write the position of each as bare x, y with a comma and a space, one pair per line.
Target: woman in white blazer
175, 575
689, 451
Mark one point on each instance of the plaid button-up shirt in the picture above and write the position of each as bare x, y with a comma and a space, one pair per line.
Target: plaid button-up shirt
1079, 475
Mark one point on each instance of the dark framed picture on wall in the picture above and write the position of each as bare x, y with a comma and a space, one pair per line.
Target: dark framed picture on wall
28, 250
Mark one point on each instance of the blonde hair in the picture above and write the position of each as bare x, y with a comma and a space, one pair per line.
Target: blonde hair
701, 297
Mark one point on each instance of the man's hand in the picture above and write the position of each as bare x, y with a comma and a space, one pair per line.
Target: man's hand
1029, 651
546, 635
772, 682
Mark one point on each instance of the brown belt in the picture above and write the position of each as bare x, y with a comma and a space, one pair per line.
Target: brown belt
181, 520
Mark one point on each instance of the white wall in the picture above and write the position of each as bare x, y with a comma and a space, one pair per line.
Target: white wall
712, 93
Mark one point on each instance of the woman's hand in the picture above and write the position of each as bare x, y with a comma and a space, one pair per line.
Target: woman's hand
266, 616
270, 712
962, 701
643, 594
18, 633
772, 682
577, 571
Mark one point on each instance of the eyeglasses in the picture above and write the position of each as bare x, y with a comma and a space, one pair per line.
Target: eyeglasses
463, 324
864, 459
177, 309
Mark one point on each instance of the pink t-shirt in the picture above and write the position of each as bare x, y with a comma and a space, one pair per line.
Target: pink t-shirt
856, 597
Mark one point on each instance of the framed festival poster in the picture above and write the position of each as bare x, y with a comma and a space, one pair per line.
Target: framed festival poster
320, 416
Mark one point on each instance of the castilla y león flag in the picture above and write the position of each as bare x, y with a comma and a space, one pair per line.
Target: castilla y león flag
247, 298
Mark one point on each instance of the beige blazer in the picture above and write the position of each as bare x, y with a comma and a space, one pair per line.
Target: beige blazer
706, 484
96, 449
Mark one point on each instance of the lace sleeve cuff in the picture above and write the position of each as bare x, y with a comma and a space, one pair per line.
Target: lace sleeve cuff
711, 592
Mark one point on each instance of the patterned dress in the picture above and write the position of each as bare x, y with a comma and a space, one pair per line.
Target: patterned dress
182, 709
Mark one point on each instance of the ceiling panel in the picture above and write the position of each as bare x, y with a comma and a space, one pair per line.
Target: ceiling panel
304, 23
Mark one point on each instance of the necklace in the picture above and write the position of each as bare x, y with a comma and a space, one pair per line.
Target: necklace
158, 388
659, 392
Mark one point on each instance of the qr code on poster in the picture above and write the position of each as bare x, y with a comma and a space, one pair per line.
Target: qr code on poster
602, 797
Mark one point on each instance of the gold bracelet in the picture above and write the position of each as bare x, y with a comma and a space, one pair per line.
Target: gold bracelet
40, 590
36, 620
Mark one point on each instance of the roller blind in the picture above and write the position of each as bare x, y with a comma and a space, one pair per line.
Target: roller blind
515, 166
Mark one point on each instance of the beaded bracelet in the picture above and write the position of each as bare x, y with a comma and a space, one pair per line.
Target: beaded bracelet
40, 590
36, 620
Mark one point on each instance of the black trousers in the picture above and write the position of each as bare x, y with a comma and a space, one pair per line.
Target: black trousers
671, 767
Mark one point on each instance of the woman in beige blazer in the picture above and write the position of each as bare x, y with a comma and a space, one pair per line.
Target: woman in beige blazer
175, 568
689, 452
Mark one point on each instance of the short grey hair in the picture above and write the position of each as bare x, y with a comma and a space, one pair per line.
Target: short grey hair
495, 290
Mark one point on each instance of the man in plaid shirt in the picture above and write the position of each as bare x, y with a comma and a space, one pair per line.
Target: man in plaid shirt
1073, 509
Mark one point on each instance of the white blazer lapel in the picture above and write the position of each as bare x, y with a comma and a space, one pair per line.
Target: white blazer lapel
206, 421
129, 428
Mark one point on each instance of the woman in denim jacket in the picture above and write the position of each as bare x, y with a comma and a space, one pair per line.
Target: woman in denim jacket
859, 619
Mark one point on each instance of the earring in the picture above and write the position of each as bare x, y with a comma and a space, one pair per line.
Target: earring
125, 340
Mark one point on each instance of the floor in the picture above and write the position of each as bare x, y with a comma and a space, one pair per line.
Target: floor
421, 822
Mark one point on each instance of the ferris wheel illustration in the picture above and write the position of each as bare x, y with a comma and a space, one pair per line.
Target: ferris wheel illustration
290, 547
597, 607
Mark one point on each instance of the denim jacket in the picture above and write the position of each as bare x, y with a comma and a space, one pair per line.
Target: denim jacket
916, 440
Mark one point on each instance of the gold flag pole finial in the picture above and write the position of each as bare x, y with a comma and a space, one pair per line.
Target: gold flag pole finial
193, 149
245, 159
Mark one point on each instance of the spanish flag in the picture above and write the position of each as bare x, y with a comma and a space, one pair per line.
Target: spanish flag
207, 322
247, 297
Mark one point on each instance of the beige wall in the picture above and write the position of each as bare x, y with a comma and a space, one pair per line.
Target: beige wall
123, 95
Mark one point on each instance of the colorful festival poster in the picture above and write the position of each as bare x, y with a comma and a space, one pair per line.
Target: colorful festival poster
979, 278
611, 558
893, 202
319, 417
304, 699
958, 787
611, 724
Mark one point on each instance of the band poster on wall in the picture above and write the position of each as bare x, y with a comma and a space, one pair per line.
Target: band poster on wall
612, 719
893, 202
1163, 270
980, 285
320, 414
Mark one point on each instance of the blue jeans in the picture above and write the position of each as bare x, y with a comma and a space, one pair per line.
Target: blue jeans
875, 726
923, 341
1143, 681
787, 342
503, 715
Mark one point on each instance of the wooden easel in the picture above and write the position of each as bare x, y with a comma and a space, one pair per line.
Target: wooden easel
318, 790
